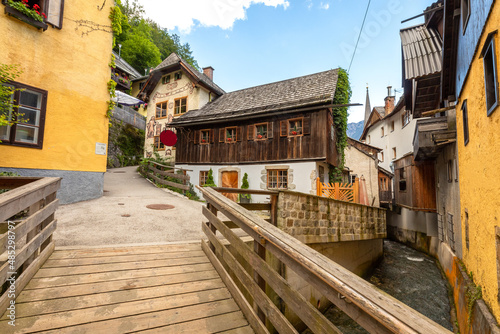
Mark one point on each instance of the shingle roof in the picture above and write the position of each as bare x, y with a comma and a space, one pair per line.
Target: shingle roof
174, 59
380, 110
293, 93
126, 67
421, 51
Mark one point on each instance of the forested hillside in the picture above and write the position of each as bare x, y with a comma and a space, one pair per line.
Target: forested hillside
144, 43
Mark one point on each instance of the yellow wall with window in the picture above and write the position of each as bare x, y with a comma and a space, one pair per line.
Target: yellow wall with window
479, 166
71, 64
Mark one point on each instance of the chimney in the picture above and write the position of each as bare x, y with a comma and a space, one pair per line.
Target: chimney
389, 101
209, 72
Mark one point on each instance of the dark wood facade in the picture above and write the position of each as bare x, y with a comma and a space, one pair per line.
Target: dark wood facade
414, 185
315, 143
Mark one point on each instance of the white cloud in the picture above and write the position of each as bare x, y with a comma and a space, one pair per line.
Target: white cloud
309, 4
209, 13
324, 6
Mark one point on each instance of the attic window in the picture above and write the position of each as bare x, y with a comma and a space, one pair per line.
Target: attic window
204, 136
178, 76
165, 79
261, 131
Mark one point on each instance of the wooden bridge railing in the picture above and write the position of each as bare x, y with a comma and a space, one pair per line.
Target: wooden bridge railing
159, 173
376, 311
348, 192
26, 226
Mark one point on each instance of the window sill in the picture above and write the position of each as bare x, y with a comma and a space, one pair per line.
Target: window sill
21, 16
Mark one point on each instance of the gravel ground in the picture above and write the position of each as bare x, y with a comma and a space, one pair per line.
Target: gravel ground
121, 216
409, 276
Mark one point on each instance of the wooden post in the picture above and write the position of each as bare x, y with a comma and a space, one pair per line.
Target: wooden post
274, 210
355, 190
212, 227
50, 198
184, 182
31, 234
261, 252
336, 190
318, 187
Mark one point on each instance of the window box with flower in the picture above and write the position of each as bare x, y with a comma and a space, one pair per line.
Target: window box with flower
22, 11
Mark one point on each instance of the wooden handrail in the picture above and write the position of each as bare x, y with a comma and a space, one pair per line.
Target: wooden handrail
374, 310
245, 191
171, 167
28, 214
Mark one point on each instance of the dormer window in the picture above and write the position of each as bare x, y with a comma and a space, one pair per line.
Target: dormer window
178, 76
165, 79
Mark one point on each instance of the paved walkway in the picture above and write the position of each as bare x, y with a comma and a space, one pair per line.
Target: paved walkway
121, 215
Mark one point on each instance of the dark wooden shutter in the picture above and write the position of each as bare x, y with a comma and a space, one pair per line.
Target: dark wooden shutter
196, 136
211, 134
306, 125
283, 128
251, 128
55, 11
239, 134
221, 135
270, 130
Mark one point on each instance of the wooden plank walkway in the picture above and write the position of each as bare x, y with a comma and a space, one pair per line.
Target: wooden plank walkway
147, 289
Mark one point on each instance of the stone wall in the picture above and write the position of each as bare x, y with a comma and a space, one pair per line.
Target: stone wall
314, 219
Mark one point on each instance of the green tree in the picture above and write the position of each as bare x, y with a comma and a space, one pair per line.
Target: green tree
245, 185
210, 179
8, 73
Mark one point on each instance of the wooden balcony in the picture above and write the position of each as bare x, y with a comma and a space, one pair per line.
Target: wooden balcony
431, 135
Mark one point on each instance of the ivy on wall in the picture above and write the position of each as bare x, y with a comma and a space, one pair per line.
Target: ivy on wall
116, 17
343, 95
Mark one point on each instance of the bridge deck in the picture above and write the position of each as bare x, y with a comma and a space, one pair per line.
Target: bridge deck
161, 289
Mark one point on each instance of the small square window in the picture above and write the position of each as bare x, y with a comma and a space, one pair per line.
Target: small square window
180, 106
465, 13
178, 76
277, 179
203, 177
394, 153
382, 156
165, 79
295, 127
450, 170
261, 131
405, 118
158, 144
392, 126
369, 139
204, 136
230, 135
161, 109
382, 131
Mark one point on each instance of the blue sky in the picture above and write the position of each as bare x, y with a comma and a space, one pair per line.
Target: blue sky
253, 42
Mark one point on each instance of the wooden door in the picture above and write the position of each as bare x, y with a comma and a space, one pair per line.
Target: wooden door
230, 180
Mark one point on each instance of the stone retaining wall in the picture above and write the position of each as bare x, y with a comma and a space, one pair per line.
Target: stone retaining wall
314, 219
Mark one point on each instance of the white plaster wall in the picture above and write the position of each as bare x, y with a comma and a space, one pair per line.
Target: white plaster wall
301, 176
363, 165
401, 138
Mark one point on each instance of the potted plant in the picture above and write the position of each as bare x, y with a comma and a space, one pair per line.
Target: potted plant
229, 139
245, 198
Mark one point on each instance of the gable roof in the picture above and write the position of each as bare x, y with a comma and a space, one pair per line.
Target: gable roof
173, 59
174, 63
310, 90
126, 67
379, 112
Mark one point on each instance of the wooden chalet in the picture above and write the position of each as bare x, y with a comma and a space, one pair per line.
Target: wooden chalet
281, 134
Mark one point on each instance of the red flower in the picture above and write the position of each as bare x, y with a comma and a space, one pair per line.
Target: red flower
294, 132
203, 141
25, 1
259, 136
43, 14
229, 139
36, 7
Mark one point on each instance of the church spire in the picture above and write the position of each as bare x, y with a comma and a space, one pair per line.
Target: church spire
368, 108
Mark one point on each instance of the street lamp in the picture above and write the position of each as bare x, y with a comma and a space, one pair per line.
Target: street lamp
119, 49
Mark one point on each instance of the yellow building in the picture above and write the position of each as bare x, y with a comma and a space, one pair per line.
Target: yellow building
65, 63
173, 88
478, 139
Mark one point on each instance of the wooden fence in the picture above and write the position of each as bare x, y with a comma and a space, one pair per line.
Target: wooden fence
348, 192
26, 226
374, 310
160, 173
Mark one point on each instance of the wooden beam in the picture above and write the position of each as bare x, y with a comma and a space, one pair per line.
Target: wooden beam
12, 182
436, 111
173, 175
169, 183
256, 206
244, 191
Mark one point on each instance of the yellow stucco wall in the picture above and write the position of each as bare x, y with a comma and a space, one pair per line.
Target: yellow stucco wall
197, 97
72, 66
479, 165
